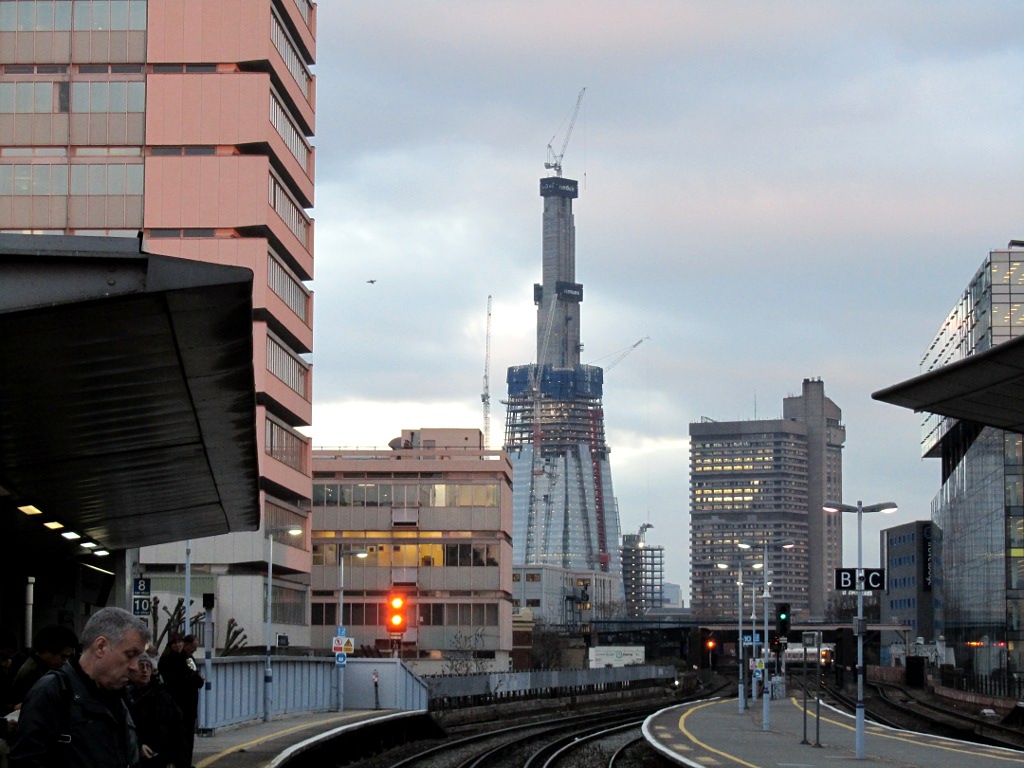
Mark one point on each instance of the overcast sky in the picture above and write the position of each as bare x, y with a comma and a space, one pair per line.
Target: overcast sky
770, 191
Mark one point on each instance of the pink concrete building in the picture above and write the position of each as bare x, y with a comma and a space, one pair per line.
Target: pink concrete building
188, 121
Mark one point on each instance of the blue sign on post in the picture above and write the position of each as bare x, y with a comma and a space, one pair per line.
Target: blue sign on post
142, 603
339, 660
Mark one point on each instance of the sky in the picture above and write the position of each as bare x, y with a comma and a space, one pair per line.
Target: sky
769, 191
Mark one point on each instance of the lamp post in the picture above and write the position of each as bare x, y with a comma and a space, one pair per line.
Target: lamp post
753, 626
860, 510
766, 694
268, 672
361, 554
741, 692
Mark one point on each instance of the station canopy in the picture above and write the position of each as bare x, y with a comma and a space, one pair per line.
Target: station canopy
986, 388
127, 398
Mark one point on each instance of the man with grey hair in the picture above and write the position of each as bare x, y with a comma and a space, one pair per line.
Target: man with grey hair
75, 716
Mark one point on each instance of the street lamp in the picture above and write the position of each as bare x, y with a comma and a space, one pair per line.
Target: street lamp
361, 554
268, 672
766, 694
860, 510
742, 693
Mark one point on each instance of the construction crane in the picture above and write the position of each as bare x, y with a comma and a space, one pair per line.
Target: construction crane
554, 162
622, 355
485, 396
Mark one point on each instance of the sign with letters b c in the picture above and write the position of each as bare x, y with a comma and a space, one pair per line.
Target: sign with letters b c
846, 579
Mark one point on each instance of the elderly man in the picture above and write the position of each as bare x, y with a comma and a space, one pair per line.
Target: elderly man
76, 716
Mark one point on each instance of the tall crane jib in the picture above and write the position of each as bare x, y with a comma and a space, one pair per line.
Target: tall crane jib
485, 395
554, 161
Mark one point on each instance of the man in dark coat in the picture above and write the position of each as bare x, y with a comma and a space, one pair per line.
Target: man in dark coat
51, 647
75, 716
180, 675
157, 718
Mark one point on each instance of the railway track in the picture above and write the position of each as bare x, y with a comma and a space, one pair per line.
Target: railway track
605, 737
897, 707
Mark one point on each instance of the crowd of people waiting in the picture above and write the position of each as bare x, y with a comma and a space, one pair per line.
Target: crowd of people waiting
102, 699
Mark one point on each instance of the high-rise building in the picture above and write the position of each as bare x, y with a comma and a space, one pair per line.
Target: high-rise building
186, 123
980, 505
912, 580
643, 573
565, 513
767, 480
428, 519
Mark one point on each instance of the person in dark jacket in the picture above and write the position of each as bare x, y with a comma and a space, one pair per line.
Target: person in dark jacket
75, 716
180, 675
157, 718
51, 647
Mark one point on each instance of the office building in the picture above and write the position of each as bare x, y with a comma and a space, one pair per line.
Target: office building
564, 596
187, 124
767, 479
909, 555
980, 504
429, 519
565, 512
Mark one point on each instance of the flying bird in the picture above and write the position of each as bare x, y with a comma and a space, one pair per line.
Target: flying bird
371, 282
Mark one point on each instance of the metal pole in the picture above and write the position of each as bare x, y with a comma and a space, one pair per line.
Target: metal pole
268, 672
859, 739
766, 694
341, 606
30, 601
753, 636
739, 636
804, 646
188, 583
817, 690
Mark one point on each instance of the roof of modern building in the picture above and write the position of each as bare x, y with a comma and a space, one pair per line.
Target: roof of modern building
986, 388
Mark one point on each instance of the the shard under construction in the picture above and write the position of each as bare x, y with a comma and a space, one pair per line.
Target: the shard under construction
564, 511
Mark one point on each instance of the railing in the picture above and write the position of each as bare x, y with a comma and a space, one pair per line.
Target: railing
234, 690
305, 9
1001, 683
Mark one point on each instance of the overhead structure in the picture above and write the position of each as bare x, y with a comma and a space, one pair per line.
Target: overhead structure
564, 510
127, 396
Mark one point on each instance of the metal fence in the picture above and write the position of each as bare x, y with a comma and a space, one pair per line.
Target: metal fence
234, 689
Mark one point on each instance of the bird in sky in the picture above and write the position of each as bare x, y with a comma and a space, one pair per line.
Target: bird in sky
371, 282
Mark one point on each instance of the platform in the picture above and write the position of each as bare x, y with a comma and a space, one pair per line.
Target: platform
714, 732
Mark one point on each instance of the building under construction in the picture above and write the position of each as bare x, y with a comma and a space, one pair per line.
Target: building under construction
564, 511
643, 573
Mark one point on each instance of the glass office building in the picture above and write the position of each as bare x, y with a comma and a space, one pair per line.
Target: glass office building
980, 506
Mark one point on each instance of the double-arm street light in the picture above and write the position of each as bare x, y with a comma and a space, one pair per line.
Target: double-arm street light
742, 694
860, 510
268, 672
766, 693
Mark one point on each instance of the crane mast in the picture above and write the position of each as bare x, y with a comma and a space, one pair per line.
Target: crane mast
485, 396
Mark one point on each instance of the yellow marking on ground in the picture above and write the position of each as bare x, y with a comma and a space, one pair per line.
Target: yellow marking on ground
270, 737
912, 737
694, 740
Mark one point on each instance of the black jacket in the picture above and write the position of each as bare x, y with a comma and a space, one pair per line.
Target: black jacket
67, 721
183, 682
158, 722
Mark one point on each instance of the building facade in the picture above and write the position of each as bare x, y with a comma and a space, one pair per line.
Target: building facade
565, 514
758, 480
980, 504
643, 573
429, 519
910, 557
187, 123
564, 596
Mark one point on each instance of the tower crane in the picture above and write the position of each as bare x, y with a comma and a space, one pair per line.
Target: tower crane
485, 396
554, 161
622, 355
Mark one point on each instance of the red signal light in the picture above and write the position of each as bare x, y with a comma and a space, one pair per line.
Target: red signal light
395, 614
711, 644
